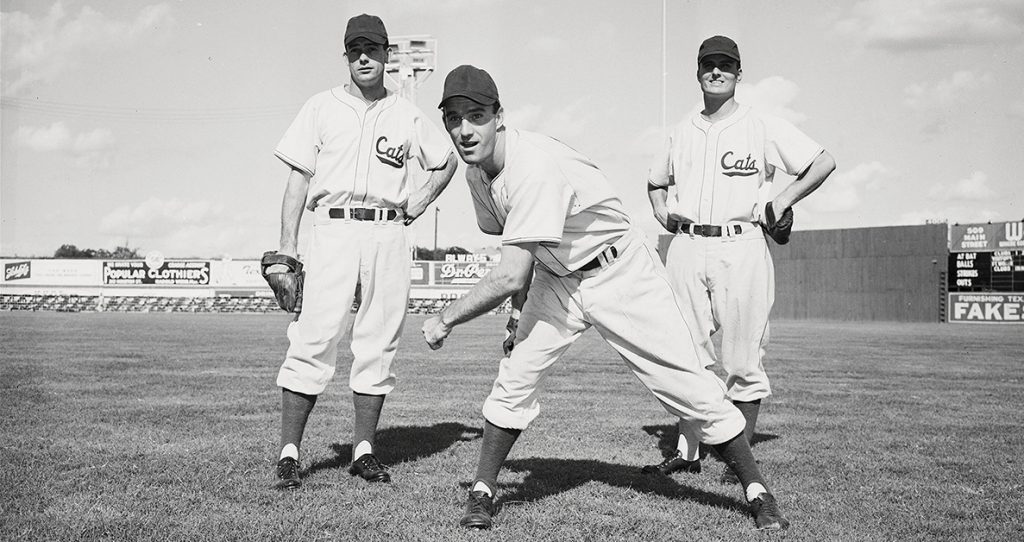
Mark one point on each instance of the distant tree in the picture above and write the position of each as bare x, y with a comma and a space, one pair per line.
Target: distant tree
424, 253
119, 253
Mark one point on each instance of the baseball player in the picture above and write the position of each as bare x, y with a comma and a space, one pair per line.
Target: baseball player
349, 150
557, 215
722, 162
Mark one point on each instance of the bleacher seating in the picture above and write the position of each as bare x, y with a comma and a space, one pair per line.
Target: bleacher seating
247, 305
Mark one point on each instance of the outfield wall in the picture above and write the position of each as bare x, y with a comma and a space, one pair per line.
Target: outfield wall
892, 273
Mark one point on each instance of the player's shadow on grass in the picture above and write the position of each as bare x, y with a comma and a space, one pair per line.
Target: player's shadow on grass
668, 436
401, 444
546, 477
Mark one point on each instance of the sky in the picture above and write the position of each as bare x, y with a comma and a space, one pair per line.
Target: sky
153, 124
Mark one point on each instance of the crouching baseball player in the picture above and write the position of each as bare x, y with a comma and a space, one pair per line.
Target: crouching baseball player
348, 149
552, 206
722, 162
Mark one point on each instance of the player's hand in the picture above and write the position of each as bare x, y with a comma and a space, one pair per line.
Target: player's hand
415, 207
435, 331
510, 335
666, 222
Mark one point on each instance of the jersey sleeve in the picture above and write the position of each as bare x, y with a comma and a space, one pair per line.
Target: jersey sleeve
429, 145
660, 173
538, 204
301, 142
788, 148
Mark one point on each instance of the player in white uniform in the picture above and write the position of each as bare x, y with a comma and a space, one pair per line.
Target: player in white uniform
722, 162
349, 150
552, 206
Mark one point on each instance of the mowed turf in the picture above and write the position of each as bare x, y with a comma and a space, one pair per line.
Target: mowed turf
165, 427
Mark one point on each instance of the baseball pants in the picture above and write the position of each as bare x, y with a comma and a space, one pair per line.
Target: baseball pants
344, 252
727, 283
631, 304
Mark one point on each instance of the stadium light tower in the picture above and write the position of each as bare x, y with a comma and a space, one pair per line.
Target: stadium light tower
411, 61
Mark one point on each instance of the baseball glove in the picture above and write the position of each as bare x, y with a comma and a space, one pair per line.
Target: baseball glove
510, 335
778, 228
287, 286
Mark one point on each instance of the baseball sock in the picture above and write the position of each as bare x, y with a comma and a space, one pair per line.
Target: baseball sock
497, 444
749, 409
295, 409
738, 457
367, 413
689, 442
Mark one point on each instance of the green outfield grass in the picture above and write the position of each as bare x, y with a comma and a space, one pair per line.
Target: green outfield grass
165, 427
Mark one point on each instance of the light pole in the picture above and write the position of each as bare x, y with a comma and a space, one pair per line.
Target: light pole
437, 210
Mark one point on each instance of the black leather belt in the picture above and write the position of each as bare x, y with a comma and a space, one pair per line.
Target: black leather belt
707, 230
362, 213
610, 252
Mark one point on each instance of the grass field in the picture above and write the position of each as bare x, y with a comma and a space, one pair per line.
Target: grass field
165, 427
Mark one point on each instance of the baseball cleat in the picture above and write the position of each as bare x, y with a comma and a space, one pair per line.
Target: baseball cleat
767, 516
479, 510
369, 468
675, 463
288, 474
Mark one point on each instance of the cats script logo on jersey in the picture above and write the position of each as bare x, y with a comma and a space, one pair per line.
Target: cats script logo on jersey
738, 167
392, 156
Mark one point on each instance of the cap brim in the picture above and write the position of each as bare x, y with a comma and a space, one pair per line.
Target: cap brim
723, 53
475, 96
372, 36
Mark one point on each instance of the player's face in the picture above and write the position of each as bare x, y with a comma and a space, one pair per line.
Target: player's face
473, 128
718, 75
366, 61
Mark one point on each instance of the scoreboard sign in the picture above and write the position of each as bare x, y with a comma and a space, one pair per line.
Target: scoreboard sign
986, 286
986, 237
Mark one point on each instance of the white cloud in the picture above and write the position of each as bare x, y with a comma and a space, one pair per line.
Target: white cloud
945, 93
40, 50
772, 95
155, 216
952, 214
842, 190
90, 150
932, 24
973, 188
566, 123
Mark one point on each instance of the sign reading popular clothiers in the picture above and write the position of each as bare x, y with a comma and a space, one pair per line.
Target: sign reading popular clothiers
171, 272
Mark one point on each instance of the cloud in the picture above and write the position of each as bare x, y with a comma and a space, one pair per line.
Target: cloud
842, 191
955, 214
932, 24
973, 188
90, 150
566, 123
772, 95
187, 228
40, 50
943, 94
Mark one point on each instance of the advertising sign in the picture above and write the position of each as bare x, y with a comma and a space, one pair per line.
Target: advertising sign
987, 307
986, 237
173, 272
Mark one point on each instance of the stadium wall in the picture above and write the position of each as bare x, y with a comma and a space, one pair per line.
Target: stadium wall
892, 273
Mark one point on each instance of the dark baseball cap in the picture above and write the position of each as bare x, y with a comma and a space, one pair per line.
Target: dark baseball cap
366, 26
719, 45
470, 82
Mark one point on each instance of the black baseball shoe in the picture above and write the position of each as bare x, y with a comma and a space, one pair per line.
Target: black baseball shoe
369, 468
479, 510
675, 463
767, 516
288, 474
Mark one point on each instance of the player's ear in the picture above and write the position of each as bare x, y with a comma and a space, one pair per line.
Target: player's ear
499, 117
739, 74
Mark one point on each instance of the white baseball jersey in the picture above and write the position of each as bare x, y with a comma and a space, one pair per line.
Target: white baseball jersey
549, 193
358, 156
356, 152
723, 171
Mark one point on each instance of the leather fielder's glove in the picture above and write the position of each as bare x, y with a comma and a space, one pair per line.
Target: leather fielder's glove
778, 228
287, 286
510, 335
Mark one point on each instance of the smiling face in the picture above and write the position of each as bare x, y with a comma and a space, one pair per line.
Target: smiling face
474, 129
366, 61
718, 75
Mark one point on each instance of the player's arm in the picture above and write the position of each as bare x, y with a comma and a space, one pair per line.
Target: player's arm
511, 275
436, 183
659, 203
807, 182
291, 215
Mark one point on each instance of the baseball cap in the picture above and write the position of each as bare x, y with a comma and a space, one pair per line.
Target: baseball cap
470, 82
366, 26
719, 45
